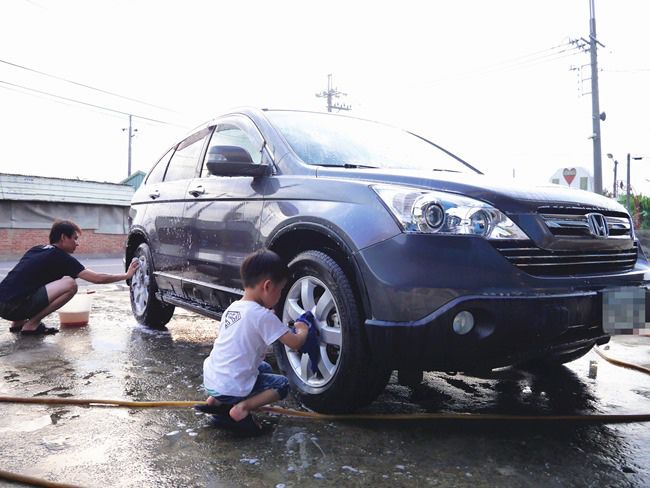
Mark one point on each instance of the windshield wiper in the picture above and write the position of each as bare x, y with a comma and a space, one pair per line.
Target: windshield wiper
348, 165
353, 165
446, 170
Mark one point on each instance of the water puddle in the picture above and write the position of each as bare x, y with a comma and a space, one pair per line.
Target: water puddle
27, 425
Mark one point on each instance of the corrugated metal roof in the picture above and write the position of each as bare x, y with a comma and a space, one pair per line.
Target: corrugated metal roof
44, 189
135, 180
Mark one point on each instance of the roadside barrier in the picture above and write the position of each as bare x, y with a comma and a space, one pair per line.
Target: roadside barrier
446, 417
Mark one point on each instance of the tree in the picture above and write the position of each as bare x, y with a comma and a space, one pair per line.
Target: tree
640, 210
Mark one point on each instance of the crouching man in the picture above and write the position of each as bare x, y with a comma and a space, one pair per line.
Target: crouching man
44, 280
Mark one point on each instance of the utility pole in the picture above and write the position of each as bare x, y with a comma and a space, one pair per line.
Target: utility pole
330, 94
131, 134
595, 109
627, 198
611, 156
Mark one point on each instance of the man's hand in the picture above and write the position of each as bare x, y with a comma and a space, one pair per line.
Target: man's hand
135, 264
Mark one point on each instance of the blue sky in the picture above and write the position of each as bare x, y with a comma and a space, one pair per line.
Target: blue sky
491, 81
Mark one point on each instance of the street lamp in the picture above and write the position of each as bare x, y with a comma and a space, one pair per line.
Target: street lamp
636, 158
609, 155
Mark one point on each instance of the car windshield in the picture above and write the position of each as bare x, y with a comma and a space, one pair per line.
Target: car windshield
331, 140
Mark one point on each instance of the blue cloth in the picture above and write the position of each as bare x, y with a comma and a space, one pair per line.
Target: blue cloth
312, 344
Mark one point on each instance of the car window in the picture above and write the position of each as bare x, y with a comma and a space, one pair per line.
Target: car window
237, 132
158, 171
329, 140
185, 160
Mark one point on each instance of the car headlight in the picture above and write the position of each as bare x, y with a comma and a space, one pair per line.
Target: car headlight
436, 212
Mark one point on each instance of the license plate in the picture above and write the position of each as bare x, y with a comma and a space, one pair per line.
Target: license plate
624, 310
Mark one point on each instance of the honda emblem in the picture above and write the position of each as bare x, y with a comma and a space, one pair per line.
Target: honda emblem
597, 225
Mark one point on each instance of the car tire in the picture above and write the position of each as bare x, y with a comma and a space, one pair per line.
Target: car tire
147, 309
347, 377
410, 377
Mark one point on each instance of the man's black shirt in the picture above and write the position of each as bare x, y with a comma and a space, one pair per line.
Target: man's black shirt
38, 267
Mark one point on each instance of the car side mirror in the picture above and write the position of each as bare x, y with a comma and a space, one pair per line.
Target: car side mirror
234, 161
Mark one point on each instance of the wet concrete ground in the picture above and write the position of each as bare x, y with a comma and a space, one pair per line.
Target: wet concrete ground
114, 358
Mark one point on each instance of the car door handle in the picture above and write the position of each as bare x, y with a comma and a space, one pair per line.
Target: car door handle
154, 194
197, 191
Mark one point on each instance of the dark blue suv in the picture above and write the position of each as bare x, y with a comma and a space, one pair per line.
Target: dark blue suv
409, 258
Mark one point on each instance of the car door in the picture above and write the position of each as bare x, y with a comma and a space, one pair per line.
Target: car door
168, 238
223, 215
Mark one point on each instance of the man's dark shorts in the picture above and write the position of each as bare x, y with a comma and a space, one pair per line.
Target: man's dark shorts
26, 307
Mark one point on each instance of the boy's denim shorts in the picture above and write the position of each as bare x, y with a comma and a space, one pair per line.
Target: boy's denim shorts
266, 380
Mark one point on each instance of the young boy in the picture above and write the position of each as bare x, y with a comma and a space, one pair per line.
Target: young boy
234, 374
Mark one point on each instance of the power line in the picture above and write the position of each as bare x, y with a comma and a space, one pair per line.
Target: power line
43, 97
639, 70
535, 55
569, 51
83, 85
537, 62
535, 58
33, 3
87, 103
520, 62
532, 59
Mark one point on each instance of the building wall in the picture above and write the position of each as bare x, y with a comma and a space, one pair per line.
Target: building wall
103, 219
14, 243
30, 204
574, 177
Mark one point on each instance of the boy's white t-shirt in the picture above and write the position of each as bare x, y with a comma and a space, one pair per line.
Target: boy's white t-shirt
247, 329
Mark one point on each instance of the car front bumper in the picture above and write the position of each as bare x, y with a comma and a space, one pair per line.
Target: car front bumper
416, 286
507, 330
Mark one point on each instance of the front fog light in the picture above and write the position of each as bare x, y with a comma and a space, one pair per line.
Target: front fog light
463, 322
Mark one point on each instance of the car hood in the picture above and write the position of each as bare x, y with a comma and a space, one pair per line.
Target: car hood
509, 196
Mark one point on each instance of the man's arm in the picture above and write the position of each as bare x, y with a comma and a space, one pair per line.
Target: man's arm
103, 278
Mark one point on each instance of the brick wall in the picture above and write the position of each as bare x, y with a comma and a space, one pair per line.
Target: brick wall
14, 242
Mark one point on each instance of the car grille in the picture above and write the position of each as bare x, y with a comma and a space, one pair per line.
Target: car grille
573, 222
542, 262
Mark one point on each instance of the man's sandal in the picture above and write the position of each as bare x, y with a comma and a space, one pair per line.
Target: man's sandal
42, 329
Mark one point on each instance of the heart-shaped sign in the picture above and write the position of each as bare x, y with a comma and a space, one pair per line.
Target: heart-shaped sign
569, 175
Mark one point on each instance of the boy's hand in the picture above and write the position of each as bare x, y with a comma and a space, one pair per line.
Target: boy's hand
312, 343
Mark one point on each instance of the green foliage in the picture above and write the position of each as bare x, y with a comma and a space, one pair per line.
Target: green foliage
640, 210
644, 212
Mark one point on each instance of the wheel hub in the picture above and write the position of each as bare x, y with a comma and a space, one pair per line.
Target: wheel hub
311, 294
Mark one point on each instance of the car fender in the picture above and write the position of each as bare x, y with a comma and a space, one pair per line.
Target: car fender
345, 248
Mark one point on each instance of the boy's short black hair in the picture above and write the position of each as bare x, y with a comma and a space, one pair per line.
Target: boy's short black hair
63, 227
263, 264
